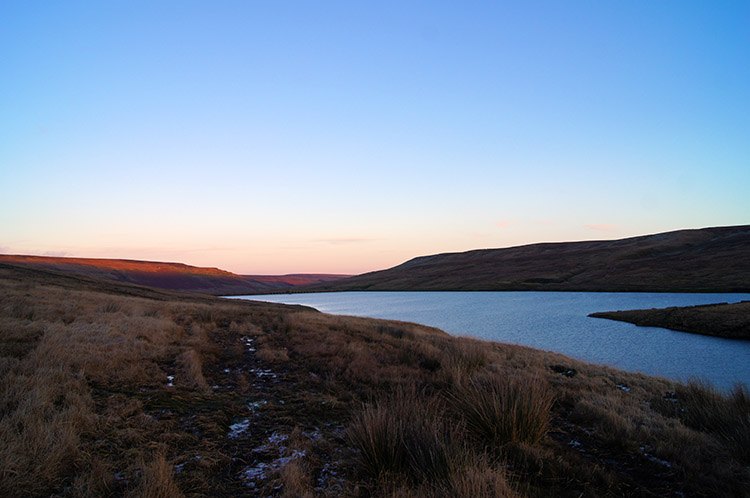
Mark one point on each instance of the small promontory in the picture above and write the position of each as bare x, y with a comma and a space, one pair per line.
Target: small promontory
721, 320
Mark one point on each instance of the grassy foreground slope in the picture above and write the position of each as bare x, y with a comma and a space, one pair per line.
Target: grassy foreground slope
706, 260
120, 390
730, 320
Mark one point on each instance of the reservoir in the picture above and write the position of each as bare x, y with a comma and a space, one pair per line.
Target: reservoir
558, 321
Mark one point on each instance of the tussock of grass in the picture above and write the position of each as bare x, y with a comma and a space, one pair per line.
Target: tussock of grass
191, 368
477, 478
272, 354
701, 406
409, 441
157, 479
500, 410
403, 435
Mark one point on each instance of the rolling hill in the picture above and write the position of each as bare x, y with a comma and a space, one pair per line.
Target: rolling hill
170, 276
297, 278
704, 260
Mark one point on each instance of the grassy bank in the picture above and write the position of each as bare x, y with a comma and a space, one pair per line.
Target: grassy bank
720, 320
110, 390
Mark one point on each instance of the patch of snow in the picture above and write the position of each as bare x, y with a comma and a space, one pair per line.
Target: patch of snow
277, 438
226, 370
263, 372
236, 430
260, 471
248, 343
655, 459
658, 460
178, 468
170, 379
285, 460
253, 407
263, 470
624, 388
329, 478
275, 441
313, 436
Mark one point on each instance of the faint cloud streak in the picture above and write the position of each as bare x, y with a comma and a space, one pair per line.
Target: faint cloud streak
345, 240
57, 254
501, 224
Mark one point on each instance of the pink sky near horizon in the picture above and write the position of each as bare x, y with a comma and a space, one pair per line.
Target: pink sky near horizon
345, 137
344, 256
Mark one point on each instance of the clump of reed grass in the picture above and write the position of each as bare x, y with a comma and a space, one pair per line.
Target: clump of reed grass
157, 479
204, 315
405, 435
191, 367
477, 478
462, 358
272, 355
704, 408
498, 410
111, 307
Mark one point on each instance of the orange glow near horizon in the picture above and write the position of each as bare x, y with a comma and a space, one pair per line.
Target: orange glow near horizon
342, 255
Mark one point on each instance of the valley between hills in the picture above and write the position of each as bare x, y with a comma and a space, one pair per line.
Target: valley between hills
704, 260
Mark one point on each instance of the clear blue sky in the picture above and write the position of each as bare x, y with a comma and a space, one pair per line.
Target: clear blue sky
278, 137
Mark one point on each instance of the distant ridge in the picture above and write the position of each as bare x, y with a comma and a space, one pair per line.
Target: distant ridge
702, 260
298, 278
170, 276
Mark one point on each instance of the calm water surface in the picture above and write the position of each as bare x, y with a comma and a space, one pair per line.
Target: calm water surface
557, 321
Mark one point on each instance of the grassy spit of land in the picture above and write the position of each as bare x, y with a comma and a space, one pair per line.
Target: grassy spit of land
730, 320
115, 390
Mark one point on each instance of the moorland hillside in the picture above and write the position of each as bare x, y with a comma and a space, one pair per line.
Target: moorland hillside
705, 260
111, 389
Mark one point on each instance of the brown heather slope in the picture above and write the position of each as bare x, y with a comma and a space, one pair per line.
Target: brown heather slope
722, 320
171, 276
706, 260
114, 390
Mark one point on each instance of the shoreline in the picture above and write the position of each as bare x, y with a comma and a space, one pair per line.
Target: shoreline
726, 320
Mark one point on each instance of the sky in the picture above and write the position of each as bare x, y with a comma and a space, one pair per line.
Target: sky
272, 137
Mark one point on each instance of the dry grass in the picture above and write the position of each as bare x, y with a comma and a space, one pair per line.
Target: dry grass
80, 341
410, 446
190, 368
701, 406
157, 479
499, 410
87, 409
